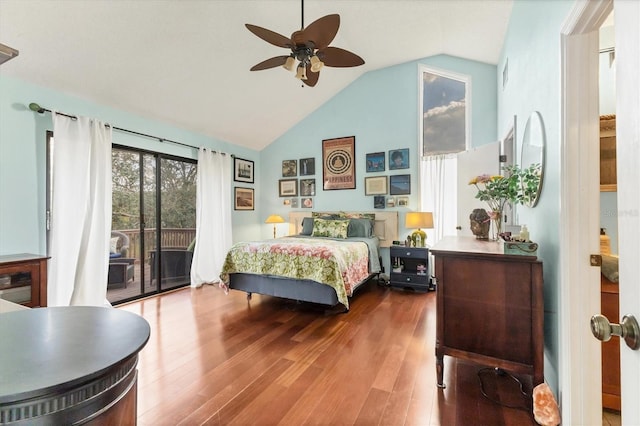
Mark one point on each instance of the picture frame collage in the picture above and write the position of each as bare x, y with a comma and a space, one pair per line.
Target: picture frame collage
388, 190
297, 181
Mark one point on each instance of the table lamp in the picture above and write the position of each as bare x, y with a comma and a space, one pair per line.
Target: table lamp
419, 220
274, 218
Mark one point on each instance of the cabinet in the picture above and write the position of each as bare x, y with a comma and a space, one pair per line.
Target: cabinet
23, 279
409, 267
489, 307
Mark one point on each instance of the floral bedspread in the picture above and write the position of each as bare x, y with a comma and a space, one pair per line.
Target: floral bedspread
340, 264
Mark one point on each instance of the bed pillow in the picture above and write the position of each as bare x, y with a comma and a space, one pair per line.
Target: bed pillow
360, 228
307, 226
330, 228
321, 215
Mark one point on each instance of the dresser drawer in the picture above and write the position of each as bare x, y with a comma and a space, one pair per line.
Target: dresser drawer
409, 279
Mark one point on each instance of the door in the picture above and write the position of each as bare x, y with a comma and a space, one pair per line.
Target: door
580, 352
154, 213
478, 161
627, 34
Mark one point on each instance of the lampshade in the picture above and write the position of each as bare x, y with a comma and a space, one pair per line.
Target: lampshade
274, 218
289, 63
302, 72
316, 63
419, 220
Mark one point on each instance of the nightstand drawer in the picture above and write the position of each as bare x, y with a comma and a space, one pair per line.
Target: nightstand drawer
409, 252
409, 279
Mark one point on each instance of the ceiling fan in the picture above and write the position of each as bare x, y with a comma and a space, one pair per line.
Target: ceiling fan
310, 47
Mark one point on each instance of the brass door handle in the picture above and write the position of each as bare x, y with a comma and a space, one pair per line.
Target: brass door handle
628, 329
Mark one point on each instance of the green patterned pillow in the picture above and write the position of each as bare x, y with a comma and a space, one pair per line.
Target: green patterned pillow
330, 228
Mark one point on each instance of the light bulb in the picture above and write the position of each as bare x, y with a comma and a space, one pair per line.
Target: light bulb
316, 63
289, 63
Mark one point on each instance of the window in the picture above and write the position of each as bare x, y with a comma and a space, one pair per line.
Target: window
444, 102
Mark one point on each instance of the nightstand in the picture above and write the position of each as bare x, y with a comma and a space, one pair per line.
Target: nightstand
409, 267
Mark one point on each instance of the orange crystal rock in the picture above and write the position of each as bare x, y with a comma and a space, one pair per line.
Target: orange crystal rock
545, 407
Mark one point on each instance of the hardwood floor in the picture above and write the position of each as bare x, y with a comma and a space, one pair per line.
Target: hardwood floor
217, 359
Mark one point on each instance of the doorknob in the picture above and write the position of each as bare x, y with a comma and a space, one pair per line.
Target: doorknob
628, 329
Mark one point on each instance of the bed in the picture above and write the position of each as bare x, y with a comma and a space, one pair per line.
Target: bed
313, 264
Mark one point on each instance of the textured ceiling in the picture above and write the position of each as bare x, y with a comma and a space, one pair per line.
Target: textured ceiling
187, 62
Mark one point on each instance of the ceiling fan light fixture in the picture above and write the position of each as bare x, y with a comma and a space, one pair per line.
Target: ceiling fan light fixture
302, 72
316, 63
289, 64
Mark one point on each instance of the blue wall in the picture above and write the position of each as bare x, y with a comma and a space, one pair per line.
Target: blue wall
381, 110
22, 158
532, 48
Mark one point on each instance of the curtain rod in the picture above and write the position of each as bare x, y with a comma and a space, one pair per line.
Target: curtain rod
37, 108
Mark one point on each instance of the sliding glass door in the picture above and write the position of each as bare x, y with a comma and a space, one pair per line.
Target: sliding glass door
153, 223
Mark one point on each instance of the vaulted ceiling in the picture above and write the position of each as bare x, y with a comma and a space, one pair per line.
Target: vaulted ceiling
187, 62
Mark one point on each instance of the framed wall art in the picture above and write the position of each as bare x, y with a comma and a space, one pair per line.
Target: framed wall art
338, 163
307, 203
378, 202
243, 198
403, 201
289, 168
375, 185
399, 159
288, 187
307, 166
307, 187
400, 185
375, 162
242, 170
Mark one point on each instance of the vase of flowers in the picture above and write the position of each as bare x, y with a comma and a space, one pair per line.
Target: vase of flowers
498, 190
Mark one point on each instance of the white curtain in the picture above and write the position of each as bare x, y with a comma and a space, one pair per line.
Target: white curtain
80, 212
213, 217
438, 177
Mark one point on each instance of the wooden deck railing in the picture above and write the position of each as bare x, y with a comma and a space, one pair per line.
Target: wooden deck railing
169, 238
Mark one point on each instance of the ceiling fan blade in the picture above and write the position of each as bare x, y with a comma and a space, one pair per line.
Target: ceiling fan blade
312, 77
321, 31
269, 36
270, 63
340, 58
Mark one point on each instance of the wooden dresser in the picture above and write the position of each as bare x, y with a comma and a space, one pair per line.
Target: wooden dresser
23, 279
489, 307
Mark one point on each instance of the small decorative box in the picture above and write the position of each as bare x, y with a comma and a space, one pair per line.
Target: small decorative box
521, 248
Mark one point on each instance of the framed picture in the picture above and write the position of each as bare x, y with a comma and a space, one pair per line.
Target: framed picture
399, 184
375, 185
294, 203
399, 159
403, 201
375, 162
288, 187
242, 170
307, 203
378, 202
243, 198
338, 163
287, 202
307, 187
289, 168
307, 166
391, 202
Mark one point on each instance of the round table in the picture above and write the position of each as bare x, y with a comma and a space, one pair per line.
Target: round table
75, 364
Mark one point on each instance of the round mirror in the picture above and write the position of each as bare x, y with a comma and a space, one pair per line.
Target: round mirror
532, 159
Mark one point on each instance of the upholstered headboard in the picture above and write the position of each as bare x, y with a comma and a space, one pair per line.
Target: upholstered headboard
385, 225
